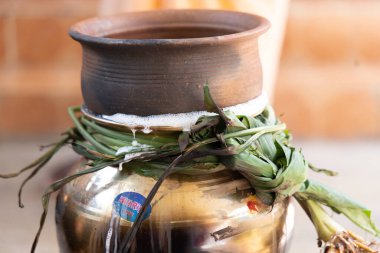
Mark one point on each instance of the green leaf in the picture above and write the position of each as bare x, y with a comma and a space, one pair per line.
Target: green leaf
149, 139
58, 185
248, 163
206, 127
83, 151
324, 171
41, 160
269, 116
205, 122
293, 176
338, 202
235, 123
115, 144
36, 166
326, 227
100, 147
183, 140
211, 106
283, 151
129, 237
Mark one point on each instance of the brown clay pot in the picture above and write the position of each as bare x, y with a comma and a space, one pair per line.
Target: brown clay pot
149, 63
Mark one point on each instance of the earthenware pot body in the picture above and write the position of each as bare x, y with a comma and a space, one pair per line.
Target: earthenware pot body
149, 63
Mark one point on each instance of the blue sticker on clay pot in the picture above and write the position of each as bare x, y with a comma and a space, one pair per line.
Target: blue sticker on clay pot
128, 204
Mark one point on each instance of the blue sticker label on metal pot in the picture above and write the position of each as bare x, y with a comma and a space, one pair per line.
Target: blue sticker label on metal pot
128, 204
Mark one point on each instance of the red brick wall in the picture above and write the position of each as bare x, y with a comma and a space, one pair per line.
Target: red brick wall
329, 80
39, 64
328, 85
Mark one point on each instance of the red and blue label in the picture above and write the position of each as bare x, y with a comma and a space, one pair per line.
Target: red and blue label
128, 204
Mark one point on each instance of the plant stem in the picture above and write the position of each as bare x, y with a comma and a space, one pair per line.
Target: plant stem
326, 227
100, 147
128, 137
127, 241
257, 132
264, 129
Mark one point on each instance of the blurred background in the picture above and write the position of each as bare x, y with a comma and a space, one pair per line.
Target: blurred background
326, 88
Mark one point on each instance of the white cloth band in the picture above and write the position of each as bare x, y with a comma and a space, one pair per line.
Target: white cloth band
184, 120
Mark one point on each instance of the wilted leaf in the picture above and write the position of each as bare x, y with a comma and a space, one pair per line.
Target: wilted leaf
340, 203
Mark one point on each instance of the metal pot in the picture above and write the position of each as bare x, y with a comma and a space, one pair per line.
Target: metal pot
149, 63
204, 213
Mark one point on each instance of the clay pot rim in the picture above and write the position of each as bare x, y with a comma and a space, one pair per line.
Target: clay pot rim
77, 30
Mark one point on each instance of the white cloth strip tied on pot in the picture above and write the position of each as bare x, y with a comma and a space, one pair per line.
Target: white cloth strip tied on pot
256, 147
180, 121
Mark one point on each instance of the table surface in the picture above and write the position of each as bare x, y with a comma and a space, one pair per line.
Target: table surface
356, 161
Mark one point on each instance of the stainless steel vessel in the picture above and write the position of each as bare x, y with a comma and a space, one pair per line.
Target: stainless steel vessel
204, 213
